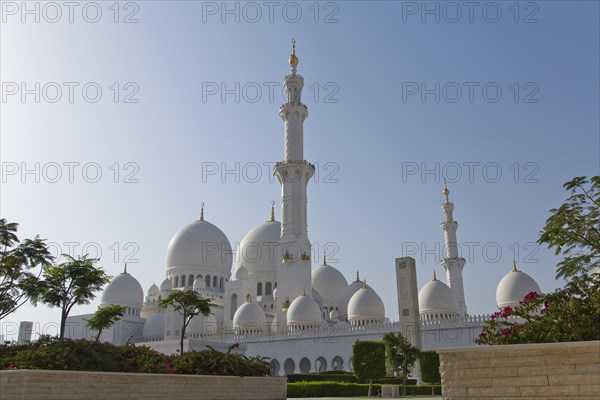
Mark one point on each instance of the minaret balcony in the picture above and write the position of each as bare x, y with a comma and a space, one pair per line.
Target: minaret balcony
293, 103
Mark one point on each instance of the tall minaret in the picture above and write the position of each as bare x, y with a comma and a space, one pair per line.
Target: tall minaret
293, 173
452, 262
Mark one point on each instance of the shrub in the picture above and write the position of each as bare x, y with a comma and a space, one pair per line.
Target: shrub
343, 377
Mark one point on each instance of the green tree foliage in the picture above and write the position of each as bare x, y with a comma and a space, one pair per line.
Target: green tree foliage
368, 361
573, 312
187, 303
71, 283
566, 315
104, 318
400, 355
573, 230
18, 260
430, 368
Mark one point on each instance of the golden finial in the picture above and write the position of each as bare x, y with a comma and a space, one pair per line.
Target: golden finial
293, 59
303, 292
515, 265
434, 276
125, 269
272, 211
324, 259
446, 192
202, 212
357, 277
364, 284
249, 298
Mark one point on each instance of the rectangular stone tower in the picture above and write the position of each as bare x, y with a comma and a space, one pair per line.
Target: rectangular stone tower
408, 300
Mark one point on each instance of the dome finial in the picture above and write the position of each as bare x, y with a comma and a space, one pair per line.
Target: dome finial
202, 212
446, 192
125, 269
293, 59
357, 277
515, 266
249, 298
364, 284
324, 259
272, 211
303, 292
434, 276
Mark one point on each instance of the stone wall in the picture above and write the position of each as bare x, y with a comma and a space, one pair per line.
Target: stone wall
77, 385
528, 371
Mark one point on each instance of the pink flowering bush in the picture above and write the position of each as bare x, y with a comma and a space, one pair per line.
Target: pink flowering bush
566, 315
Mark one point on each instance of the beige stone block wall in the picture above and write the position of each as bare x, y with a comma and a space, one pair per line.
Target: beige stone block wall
524, 371
77, 385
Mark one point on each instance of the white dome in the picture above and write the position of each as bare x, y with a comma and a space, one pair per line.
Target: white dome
435, 297
249, 316
333, 315
258, 249
166, 286
304, 310
317, 298
201, 324
153, 290
199, 284
241, 274
347, 295
514, 287
154, 327
123, 290
365, 304
200, 245
329, 282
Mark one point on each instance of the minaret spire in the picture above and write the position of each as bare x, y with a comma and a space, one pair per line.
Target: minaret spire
294, 173
452, 263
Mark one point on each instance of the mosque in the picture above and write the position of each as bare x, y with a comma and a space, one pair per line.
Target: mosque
276, 304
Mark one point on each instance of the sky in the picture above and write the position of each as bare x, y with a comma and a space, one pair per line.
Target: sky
118, 120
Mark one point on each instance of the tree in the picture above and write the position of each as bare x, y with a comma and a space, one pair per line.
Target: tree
104, 318
573, 230
17, 261
188, 304
430, 368
400, 355
573, 312
368, 361
71, 283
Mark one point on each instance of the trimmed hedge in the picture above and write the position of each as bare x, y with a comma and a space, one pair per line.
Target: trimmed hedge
345, 389
347, 377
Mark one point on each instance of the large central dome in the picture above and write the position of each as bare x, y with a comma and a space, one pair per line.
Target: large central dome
200, 245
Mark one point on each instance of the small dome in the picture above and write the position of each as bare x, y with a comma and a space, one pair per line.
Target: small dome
199, 284
333, 315
166, 286
347, 295
435, 297
154, 327
241, 274
249, 317
201, 324
258, 249
365, 304
153, 290
513, 288
200, 245
329, 282
304, 310
123, 290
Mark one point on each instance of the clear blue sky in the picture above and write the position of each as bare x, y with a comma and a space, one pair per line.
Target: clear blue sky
397, 100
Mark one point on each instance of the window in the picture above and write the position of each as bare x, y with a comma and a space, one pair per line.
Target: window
268, 290
259, 289
221, 283
207, 280
233, 305
176, 283
191, 280
183, 280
